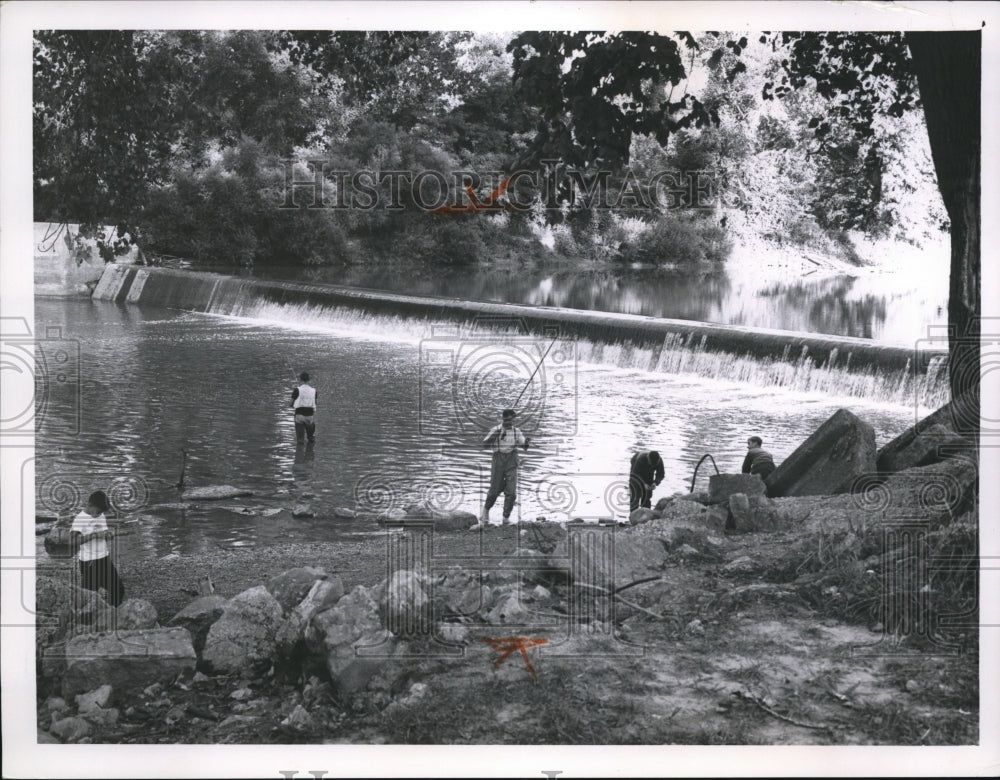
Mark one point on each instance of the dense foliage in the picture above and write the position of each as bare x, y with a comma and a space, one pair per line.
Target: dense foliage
190, 139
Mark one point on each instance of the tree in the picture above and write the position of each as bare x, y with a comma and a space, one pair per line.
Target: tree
594, 91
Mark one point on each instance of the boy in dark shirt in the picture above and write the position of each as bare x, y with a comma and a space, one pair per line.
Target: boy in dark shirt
757, 461
646, 472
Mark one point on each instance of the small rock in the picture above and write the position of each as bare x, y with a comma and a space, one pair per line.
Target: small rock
102, 718
305, 496
175, 715
55, 704
70, 729
237, 719
241, 693
214, 493
687, 550
641, 515
695, 628
302, 510
153, 690
344, 512
912, 686
742, 564
453, 633
541, 592
200, 678
93, 699
299, 719
417, 692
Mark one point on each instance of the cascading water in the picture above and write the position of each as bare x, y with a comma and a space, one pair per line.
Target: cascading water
794, 369
407, 388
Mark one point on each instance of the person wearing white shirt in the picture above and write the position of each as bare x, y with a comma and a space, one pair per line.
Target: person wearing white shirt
504, 439
304, 405
89, 534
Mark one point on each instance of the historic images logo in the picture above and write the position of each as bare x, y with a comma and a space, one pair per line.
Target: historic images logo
468, 192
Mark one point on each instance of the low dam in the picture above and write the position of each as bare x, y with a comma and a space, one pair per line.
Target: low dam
852, 367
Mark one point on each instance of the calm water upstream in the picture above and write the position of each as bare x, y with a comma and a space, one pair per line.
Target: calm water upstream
154, 382
891, 307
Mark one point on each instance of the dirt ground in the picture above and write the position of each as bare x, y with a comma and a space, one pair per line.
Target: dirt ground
708, 654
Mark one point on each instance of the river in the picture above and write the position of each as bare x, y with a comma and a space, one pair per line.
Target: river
393, 425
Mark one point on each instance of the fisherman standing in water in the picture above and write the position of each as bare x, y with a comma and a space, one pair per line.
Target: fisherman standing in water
304, 404
504, 439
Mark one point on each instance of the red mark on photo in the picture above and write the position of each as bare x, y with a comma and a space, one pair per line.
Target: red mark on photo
509, 646
474, 204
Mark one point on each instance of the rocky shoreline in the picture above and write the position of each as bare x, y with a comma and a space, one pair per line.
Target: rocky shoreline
393, 638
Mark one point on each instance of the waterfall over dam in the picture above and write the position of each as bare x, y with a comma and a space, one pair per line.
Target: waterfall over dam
834, 365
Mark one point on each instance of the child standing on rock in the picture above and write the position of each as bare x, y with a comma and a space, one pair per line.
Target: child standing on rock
89, 534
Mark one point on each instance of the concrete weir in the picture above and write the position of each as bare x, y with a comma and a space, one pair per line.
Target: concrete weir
213, 293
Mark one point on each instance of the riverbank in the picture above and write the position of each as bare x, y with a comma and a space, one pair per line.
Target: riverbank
755, 638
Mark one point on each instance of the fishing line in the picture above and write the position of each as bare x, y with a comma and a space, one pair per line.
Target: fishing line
526, 384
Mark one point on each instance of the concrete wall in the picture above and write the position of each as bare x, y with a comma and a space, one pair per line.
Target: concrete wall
57, 273
206, 292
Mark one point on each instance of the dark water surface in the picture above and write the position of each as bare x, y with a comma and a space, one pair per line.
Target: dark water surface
154, 382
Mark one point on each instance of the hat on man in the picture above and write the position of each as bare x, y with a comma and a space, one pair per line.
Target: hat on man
509, 414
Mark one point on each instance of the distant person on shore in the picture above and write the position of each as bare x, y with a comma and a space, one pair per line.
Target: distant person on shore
504, 439
757, 460
88, 535
304, 405
645, 473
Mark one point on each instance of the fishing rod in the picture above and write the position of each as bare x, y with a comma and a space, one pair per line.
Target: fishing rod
526, 384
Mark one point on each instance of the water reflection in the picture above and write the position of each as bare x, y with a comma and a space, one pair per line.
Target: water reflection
755, 297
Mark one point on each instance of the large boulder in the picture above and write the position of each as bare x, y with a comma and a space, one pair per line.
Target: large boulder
322, 595
198, 616
935, 494
829, 461
291, 586
354, 614
352, 639
605, 557
135, 614
406, 607
128, 661
63, 609
722, 486
947, 431
459, 592
754, 513
245, 636
443, 519
57, 540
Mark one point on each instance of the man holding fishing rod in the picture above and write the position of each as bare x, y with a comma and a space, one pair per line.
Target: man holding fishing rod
504, 439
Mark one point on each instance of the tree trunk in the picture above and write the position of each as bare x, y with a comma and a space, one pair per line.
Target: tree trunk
948, 67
